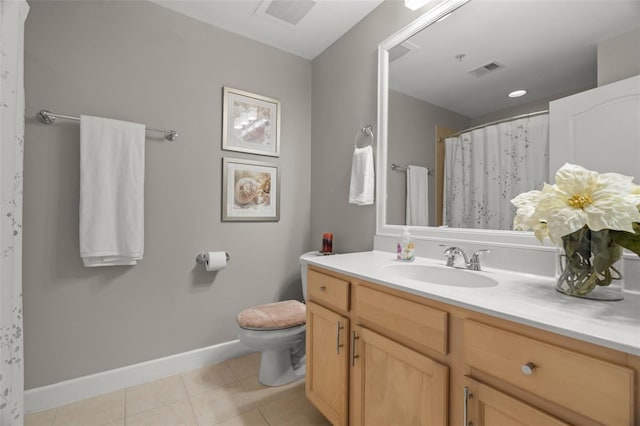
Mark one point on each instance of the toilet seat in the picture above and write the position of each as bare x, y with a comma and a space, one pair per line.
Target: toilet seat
273, 316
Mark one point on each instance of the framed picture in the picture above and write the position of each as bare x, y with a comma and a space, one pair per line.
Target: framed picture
250, 190
250, 123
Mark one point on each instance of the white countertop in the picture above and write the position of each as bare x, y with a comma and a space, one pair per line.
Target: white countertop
522, 298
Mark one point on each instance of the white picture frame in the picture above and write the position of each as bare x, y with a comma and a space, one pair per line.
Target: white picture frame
250, 123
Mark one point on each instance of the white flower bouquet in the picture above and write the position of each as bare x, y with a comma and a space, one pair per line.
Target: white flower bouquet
590, 216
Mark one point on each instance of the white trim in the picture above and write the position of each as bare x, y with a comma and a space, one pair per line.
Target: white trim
69, 391
524, 240
423, 21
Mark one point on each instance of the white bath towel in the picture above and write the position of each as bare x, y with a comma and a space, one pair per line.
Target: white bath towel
417, 196
111, 191
362, 177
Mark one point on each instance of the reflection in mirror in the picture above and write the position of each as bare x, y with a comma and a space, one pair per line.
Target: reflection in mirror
449, 108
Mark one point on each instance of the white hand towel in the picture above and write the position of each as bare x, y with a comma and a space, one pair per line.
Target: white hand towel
417, 196
111, 191
362, 177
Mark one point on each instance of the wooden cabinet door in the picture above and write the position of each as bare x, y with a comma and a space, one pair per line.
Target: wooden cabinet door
486, 406
394, 385
327, 362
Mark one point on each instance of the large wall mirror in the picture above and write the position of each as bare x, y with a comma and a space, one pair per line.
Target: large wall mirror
446, 104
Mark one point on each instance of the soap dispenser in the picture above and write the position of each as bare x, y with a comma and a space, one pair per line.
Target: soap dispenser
405, 247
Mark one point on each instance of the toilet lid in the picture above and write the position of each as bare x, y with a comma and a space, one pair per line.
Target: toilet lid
273, 316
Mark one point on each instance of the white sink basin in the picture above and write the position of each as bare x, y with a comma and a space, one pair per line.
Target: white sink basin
442, 275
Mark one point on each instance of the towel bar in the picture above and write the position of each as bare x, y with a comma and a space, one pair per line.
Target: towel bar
401, 168
48, 117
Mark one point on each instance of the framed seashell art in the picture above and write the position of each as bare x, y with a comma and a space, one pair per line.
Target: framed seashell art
250, 123
250, 190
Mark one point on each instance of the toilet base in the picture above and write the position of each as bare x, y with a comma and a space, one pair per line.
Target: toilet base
276, 369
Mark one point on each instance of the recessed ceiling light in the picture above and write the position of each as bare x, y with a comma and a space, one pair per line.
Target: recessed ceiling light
517, 93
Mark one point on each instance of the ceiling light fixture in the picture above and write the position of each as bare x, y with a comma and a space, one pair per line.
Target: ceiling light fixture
517, 93
416, 4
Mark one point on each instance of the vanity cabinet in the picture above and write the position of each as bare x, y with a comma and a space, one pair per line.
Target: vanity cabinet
600, 390
327, 362
327, 334
394, 385
485, 406
367, 378
380, 356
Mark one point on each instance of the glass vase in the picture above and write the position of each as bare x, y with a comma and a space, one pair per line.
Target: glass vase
590, 265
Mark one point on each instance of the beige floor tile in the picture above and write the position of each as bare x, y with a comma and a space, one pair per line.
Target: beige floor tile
222, 404
251, 418
208, 378
154, 394
41, 418
176, 414
95, 411
293, 410
245, 366
263, 395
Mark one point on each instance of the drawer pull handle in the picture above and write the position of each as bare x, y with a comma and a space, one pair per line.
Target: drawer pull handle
323, 288
528, 368
353, 348
338, 345
467, 395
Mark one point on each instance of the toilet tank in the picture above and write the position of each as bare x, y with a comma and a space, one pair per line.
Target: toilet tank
303, 270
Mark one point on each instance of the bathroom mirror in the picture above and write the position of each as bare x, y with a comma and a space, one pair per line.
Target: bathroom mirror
453, 68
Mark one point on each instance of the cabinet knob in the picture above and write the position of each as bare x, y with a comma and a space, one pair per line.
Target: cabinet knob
527, 369
323, 288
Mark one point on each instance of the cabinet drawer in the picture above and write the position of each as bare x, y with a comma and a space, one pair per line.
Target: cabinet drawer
328, 290
424, 326
598, 389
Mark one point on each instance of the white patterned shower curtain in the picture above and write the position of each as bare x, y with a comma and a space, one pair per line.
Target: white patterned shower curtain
13, 14
487, 167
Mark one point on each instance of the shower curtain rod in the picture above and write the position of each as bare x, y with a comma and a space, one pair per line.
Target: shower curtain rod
48, 117
504, 120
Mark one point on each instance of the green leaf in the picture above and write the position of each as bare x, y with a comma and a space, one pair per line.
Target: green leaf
628, 240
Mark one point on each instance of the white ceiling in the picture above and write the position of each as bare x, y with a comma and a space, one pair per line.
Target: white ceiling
547, 47
326, 22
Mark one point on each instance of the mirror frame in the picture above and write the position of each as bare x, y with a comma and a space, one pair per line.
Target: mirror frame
461, 235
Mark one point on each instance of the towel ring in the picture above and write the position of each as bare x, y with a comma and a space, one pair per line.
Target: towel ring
367, 131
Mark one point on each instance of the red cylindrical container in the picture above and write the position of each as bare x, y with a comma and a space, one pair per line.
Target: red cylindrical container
327, 242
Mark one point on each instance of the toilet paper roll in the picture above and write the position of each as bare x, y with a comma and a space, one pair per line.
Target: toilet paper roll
216, 260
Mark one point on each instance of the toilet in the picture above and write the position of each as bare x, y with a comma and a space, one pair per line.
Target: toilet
278, 331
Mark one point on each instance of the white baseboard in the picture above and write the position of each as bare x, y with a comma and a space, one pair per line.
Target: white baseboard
69, 391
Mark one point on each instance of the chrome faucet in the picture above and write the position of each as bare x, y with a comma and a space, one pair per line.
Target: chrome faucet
474, 263
452, 253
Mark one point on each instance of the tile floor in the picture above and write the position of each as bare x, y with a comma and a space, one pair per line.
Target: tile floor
225, 394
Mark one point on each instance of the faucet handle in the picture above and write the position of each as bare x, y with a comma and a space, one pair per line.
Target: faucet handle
474, 263
450, 253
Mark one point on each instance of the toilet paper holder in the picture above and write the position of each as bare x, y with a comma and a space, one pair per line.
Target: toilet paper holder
201, 258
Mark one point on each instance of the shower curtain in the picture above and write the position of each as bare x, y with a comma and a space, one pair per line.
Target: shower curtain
13, 14
485, 168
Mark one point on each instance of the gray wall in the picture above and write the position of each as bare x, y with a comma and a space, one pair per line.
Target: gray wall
139, 62
412, 140
619, 57
344, 99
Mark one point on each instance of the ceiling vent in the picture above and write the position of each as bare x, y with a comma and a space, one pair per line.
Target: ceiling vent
486, 69
401, 50
285, 12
